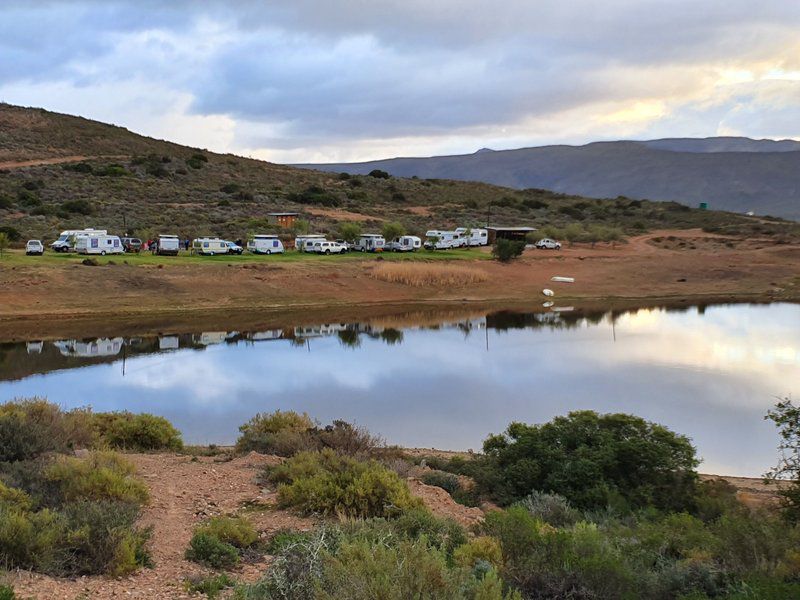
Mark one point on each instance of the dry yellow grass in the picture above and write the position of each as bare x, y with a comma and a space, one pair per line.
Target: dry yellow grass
421, 274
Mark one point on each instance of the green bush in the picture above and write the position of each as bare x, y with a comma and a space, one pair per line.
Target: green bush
327, 483
366, 560
101, 476
595, 461
80, 207
550, 508
210, 586
378, 174
197, 160
447, 481
236, 531
280, 432
32, 427
209, 550
482, 548
112, 170
506, 250
139, 432
81, 167
7, 592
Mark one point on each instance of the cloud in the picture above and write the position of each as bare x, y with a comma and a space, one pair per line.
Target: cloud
312, 80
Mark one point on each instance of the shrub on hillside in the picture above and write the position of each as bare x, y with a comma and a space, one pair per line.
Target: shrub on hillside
79, 207
366, 560
101, 476
506, 250
112, 170
550, 508
379, 174
211, 586
209, 550
139, 432
197, 160
447, 481
5, 202
236, 531
593, 460
81, 167
327, 483
32, 427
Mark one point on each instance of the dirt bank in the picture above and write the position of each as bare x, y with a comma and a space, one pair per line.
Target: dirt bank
660, 267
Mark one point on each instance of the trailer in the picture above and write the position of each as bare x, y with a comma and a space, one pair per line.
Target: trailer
265, 244
405, 243
168, 245
99, 244
474, 236
66, 242
209, 246
301, 241
370, 242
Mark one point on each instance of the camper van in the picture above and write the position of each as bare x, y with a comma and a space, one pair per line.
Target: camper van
301, 241
168, 245
98, 244
209, 246
370, 242
405, 243
265, 244
473, 236
442, 240
67, 240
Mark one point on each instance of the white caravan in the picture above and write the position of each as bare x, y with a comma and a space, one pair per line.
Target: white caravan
265, 244
474, 237
301, 241
209, 246
88, 349
405, 243
168, 244
442, 240
98, 244
370, 242
66, 241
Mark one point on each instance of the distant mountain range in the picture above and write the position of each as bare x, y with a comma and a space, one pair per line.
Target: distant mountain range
729, 173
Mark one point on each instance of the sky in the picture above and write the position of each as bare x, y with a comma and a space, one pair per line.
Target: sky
330, 81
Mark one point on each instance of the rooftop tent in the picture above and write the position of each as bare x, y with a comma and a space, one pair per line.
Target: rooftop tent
509, 233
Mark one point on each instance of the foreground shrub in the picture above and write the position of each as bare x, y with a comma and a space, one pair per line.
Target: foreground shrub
367, 560
593, 460
327, 483
101, 476
786, 417
7, 592
32, 427
236, 531
211, 551
447, 481
139, 432
210, 586
483, 548
280, 432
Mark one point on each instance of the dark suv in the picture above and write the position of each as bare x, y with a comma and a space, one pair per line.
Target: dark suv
131, 244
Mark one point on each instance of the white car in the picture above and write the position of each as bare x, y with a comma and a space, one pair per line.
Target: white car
328, 248
233, 248
548, 244
34, 248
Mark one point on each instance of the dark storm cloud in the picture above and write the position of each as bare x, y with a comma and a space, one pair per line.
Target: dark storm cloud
308, 70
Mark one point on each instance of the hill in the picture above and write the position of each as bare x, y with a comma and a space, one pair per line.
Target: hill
60, 172
733, 174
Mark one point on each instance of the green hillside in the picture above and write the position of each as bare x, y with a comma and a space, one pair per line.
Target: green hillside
121, 181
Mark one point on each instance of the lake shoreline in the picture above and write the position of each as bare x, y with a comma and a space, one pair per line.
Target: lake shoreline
60, 296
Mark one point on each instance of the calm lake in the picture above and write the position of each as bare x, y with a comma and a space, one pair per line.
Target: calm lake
710, 373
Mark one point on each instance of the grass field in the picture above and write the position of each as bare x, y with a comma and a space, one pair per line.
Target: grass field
17, 257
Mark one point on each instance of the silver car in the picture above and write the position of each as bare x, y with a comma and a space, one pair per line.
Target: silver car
548, 244
34, 248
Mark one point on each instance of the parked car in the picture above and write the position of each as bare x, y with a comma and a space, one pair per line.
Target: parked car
131, 244
548, 244
347, 246
326, 247
34, 248
233, 248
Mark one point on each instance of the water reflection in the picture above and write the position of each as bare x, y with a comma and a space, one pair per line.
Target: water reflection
710, 373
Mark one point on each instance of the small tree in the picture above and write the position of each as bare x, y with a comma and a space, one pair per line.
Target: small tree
573, 233
378, 174
786, 417
350, 232
506, 250
393, 230
301, 226
3, 242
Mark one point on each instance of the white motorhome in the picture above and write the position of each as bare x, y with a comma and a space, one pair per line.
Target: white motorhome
442, 240
265, 244
67, 240
370, 242
168, 245
474, 236
99, 244
301, 241
90, 348
209, 246
405, 243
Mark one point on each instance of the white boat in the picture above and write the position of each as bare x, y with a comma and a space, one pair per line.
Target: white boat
548, 292
560, 279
